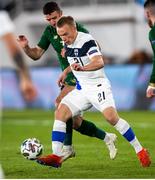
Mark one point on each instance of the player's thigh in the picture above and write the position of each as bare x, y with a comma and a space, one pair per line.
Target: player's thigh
102, 98
77, 102
65, 90
103, 101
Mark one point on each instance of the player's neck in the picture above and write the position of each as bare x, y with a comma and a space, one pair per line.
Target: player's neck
75, 36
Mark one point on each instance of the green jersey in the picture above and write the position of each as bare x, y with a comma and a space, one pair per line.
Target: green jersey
152, 40
50, 36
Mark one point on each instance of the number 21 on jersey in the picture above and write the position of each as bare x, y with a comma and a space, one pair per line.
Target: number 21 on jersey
79, 61
101, 96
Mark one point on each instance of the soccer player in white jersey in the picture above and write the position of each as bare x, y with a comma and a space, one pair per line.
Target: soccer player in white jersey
93, 89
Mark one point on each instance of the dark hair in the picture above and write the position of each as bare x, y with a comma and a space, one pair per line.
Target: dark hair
65, 20
50, 7
149, 3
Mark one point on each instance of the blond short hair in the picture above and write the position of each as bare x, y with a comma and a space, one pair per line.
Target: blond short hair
66, 20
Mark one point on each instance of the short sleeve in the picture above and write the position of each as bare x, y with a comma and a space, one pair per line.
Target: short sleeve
93, 49
44, 41
6, 24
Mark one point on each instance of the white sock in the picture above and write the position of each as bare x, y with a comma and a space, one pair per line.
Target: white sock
58, 135
136, 145
124, 128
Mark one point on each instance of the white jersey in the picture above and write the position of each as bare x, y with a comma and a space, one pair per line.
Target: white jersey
81, 51
6, 24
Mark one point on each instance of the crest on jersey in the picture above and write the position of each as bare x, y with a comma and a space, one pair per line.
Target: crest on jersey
76, 52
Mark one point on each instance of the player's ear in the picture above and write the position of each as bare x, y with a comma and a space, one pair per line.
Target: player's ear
74, 27
147, 14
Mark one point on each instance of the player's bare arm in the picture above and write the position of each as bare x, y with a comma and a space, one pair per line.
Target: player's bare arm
97, 62
63, 75
34, 53
149, 9
26, 86
14, 50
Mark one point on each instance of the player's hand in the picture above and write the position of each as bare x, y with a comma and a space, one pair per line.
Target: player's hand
150, 92
22, 40
61, 80
77, 67
28, 90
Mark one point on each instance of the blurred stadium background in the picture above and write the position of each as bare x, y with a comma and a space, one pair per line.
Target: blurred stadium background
121, 30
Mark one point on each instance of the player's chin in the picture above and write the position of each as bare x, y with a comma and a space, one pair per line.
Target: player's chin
68, 43
53, 25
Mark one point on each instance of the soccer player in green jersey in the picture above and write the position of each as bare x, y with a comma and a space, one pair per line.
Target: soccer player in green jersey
52, 13
149, 7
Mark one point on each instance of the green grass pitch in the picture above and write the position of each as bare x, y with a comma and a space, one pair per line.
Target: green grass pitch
92, 158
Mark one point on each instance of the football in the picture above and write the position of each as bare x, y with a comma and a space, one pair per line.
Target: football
31, 148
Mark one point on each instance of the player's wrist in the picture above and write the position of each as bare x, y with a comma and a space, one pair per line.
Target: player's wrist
26, 47
24, 75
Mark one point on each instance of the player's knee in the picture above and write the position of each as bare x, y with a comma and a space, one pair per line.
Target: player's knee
111, 116
112, 119
62, 113
77, 121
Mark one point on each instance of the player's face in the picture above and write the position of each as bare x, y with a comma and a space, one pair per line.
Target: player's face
67, 33
148, 18
53, 17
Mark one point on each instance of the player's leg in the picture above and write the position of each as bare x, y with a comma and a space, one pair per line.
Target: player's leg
66, 109
62, 114
84, 127
90, 129
64, 91
103, 100
127, 132
68, 150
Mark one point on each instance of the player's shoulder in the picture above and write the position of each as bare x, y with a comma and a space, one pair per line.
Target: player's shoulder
4, 15
7, 24
83, 39
49, 29
81, 28
78, 25
85, 36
